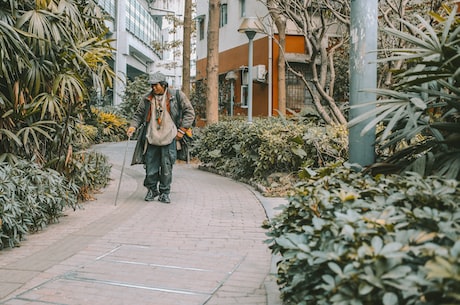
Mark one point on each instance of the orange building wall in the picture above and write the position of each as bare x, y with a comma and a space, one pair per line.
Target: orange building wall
294, 44
234, 58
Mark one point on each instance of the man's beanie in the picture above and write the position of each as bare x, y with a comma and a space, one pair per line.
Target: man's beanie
156, 78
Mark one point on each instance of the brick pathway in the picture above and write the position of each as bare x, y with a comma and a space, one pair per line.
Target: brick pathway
206, 247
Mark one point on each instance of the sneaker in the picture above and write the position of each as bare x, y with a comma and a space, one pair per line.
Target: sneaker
164, 198
151, 194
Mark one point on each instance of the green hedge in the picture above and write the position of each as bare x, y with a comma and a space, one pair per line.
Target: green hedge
30, 199
89, 171
268, 145
349, 238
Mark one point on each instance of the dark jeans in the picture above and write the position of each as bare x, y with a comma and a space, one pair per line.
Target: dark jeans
159, 161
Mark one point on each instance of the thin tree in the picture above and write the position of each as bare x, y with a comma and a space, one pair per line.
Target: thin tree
315, 22
280, 22
212, 67
186, 47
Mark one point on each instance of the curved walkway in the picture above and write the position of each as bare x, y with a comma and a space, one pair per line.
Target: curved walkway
206, 247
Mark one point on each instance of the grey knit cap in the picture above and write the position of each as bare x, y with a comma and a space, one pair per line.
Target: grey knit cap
156, 78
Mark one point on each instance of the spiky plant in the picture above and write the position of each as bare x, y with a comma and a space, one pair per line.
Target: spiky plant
419, 116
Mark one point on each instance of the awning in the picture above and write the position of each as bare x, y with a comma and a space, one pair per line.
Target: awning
297, 57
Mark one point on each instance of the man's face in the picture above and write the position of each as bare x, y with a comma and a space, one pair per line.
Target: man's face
158, 88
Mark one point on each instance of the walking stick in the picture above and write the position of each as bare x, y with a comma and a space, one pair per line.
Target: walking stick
122, 169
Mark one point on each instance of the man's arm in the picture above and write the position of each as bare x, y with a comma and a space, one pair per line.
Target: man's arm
138, 118
188, 113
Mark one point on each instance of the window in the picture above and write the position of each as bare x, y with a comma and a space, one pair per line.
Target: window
201, 27
297, 95
141, 24
242, 8
244, 96
223, 15
108, 6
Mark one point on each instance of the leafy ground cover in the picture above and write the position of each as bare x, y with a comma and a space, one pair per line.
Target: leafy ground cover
351, 238
32, 197
346, 236
270, 151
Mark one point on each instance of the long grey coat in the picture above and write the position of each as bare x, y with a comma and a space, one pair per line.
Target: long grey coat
184, 119
181, 111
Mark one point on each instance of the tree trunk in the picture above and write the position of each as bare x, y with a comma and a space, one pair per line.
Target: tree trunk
186, 47
280, 23
212, 68
282, 69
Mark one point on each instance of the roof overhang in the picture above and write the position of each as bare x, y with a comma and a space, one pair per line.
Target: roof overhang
297, 57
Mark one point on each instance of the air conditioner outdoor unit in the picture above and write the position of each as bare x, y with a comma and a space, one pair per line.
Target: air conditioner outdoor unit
259, 73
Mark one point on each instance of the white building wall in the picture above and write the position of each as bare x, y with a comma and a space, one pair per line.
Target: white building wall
229, 37
133, 53
171, 62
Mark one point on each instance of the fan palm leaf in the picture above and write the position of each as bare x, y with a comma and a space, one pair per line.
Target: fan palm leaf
51, 51
13, 53
420, 114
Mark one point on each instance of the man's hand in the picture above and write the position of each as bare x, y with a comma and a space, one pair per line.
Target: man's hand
130, 131
182, 131
179, 135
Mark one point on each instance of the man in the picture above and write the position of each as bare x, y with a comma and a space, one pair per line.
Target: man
168, 115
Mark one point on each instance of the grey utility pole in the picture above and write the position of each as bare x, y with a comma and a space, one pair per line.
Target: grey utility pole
363, 76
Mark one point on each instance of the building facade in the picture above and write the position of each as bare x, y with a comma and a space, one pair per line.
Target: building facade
137, 26
234, 57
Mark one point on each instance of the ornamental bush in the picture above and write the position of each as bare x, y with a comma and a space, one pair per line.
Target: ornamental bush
89, 171
350, 238
30, 199
268, 145
111, 127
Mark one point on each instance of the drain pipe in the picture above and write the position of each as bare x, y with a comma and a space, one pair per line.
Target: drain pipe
270, 74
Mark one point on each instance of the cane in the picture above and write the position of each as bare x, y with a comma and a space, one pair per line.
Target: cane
122, 169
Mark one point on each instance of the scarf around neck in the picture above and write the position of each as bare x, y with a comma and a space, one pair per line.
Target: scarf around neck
161, 129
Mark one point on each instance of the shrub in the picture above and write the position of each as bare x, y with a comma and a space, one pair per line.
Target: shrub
83, 136
90, 171
198, 98
268, 145
91, 134
133, 94
349, 238
110, 126
419, 116
30, 199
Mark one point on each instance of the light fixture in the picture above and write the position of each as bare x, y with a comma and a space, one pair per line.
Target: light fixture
232, 77
250, 26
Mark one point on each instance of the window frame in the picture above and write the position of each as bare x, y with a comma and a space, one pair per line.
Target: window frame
223, 16
244, 96
242, 8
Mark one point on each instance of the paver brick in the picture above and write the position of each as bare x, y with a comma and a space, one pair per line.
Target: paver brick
206, 247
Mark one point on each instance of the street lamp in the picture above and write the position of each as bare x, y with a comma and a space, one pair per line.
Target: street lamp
250, 26
231, 76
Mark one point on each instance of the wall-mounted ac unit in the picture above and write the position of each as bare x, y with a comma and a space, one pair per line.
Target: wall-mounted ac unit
259, 74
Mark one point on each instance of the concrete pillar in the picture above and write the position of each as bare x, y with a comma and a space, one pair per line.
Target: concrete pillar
121, 53
363, 76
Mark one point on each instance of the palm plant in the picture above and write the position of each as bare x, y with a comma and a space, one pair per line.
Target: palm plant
418, 118
50, 52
